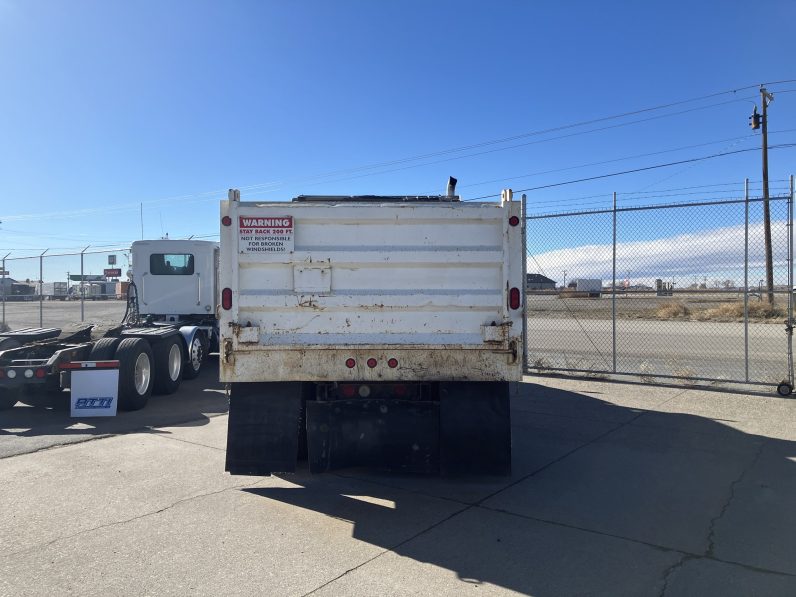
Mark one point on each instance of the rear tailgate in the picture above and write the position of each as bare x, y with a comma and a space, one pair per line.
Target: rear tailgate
427, 284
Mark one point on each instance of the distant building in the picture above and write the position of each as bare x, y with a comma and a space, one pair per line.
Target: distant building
539, 282
6, 283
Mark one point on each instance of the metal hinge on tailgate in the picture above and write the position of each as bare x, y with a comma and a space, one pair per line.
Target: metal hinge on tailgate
497, 334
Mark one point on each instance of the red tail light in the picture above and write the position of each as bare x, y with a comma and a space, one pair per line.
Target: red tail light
392, 363
399, 390
513, 221
40, 373
226, 299
226, 220
2, 373
372, 362
348, 391
350, 363
514, 298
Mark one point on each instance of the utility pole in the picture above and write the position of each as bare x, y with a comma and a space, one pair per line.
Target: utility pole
755, 122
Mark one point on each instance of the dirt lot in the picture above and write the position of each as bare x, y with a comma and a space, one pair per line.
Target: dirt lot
59, 313
687, 306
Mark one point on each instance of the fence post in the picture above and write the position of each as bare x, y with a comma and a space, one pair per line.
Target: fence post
746, 282
4, 287
524, 286
82, 292
41, 288
613, 292
790, 283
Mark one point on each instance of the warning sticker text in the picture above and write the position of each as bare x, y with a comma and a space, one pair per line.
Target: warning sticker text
266, 235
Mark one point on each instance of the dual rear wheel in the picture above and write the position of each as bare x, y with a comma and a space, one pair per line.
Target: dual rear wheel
143, 369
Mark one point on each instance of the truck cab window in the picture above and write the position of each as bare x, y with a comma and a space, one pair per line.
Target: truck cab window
164, 264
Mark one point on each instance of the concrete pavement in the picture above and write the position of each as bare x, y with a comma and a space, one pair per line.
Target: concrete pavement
617, 489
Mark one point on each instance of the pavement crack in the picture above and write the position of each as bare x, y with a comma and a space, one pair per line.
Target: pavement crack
127, 520
185, 441
672, 569
390, 549
709, 552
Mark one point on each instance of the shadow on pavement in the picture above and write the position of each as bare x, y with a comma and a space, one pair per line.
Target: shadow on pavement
631, 501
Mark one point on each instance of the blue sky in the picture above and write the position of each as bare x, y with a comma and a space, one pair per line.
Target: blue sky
110, 104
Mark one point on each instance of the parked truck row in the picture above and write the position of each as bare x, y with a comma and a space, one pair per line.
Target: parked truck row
364, 330
62, 291
167, 332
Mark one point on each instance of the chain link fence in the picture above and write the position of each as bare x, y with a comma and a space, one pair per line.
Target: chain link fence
61, 289
676, 290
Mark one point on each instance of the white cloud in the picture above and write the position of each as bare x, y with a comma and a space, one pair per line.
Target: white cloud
717, 252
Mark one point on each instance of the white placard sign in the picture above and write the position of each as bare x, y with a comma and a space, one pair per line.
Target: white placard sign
94, 392
271, 234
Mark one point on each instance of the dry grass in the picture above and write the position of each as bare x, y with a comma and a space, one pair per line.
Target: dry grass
672, 310
646, 371
758, 311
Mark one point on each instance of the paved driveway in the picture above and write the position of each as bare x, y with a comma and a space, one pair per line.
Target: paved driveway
618, 489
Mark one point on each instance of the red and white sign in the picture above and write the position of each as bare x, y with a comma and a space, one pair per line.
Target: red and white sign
273, 234
112, 273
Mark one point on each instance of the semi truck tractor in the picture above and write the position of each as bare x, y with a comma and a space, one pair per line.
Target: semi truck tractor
378, 331
168, 329
176, 283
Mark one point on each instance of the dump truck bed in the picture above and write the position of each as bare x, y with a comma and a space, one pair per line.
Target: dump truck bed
382, 291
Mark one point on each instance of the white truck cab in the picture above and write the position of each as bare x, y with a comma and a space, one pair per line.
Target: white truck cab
175, 282
175, 278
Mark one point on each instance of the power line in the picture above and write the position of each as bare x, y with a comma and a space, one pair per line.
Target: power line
469, 155
656, 166
280, 183
640, 155
688, 188
543, 131
729, 194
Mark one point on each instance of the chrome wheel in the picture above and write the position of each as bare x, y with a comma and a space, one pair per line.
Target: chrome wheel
197, 353
175, 362
143, 373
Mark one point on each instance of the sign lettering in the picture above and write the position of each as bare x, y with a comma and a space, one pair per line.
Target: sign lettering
266, 235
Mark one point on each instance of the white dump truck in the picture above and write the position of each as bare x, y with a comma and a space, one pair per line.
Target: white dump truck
373, 331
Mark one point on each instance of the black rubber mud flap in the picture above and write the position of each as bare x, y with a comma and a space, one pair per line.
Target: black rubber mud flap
397, 435
263, 428
475, 428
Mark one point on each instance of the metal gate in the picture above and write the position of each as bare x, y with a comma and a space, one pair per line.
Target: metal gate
667, 290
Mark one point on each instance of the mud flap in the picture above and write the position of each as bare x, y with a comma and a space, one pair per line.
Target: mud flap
397, 435
263, 428
475, 428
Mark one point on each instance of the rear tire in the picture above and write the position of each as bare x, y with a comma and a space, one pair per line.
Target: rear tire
168, 360
104, 349
8, 397
135, 373
197, 352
